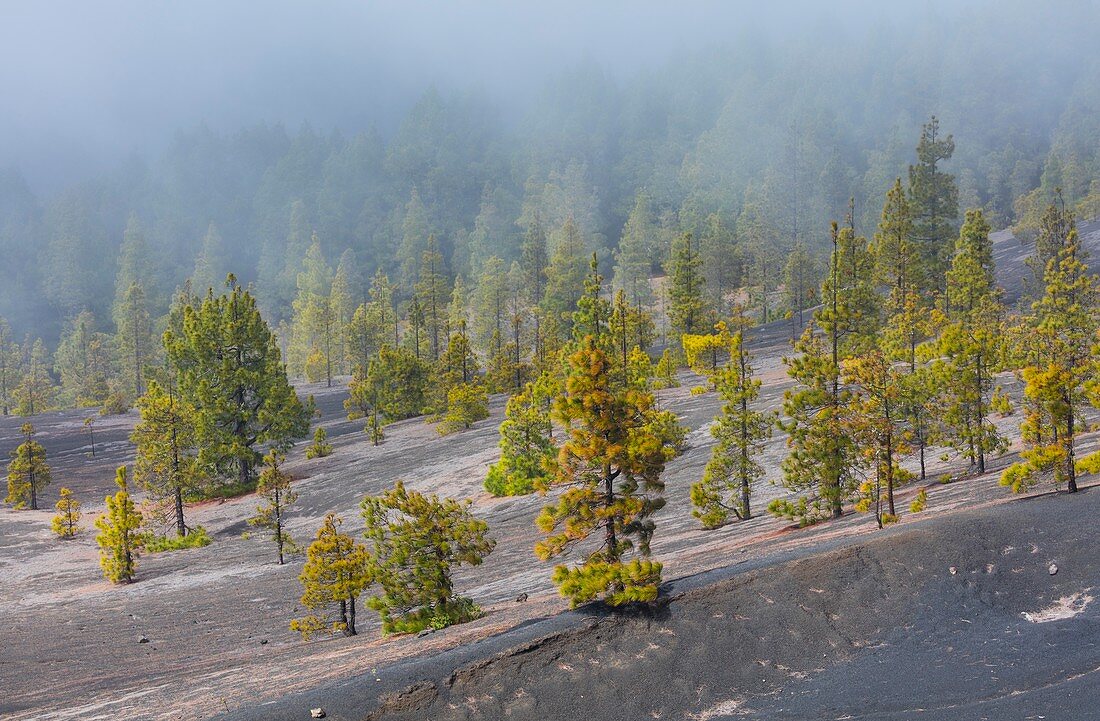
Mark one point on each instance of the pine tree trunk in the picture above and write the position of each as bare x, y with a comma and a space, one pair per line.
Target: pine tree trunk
181, 528
1071, 470
980, 419
344, 617
351, 616
34, 491
890, 473
278, 526
609, 500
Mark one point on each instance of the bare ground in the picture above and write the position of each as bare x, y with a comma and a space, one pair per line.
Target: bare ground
216, 618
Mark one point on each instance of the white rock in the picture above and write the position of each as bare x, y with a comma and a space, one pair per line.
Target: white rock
1053, 569
316, 713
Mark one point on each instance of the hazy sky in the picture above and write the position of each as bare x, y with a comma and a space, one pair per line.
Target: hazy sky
85, 83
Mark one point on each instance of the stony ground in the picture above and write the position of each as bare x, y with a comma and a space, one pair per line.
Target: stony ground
216, 618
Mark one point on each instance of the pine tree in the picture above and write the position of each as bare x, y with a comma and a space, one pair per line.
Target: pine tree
231, 373
534, 262
313, 323
434, 292
415, 318
416, 542
526, 446
1054, 227
415, 234
166, 462
119, 539
211, 265
741, 432
687, 309
66, 524
721, 260
664, 375
10, 357
36, 390
83, 362
565, 276
466, 404
800, 283
610, 468
934, 202
456, 366
706, 353
391, 388
897, 263
760, 240
823, 452
134, 262
912, 326
971, 276
320, 447
274, 489
344, 297
28, 472
629, 326
592, 316
458, 310
335, 573
878, 421
134, 332
383, 308
490, 305
636, 245
969, 348
514, 349
1065, 319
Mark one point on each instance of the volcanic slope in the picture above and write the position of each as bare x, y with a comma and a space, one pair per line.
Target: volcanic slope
977, 614
216, 618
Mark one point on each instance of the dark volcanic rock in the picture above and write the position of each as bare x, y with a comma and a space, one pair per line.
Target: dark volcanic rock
876, 629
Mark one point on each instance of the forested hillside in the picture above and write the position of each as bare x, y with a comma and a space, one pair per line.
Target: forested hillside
754, 145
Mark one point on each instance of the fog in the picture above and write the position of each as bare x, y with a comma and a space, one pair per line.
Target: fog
238, 129
89, 83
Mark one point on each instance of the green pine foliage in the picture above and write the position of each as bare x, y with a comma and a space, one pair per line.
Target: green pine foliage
527, 448
120, 539
741, 430
467, 403
28, 472
609, 469
687, 310
166, 463
230, 371
320, 447
66, 524
196, 537
276, 495
392, 387
417, 542
335, 572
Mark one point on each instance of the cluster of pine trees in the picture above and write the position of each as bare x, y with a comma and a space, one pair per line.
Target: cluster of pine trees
899, 342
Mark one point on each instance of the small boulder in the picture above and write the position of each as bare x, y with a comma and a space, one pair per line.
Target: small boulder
952, 570
521, 598
316, 713
143, 639
1053, 569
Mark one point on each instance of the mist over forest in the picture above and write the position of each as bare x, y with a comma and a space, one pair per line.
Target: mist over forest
615, 360
374, 127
